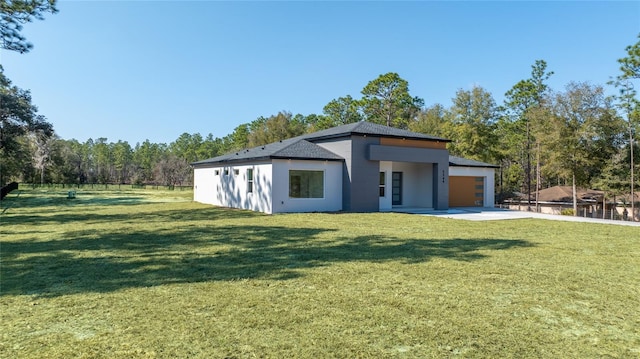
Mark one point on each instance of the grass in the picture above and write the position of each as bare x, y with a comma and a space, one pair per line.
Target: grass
150, 274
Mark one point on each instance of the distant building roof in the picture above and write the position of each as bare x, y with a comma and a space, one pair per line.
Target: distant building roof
463, 162
565, 194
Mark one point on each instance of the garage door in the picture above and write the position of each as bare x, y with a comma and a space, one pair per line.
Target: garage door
466, 191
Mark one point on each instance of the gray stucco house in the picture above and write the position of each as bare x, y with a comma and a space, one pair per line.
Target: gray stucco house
358, 167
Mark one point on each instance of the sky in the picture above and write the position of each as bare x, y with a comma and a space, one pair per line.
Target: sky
138, 70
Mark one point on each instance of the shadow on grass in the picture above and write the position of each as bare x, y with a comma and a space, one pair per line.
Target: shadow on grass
67, 215
60, 199
85, 261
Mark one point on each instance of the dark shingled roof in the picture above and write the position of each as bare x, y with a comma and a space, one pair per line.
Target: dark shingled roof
371, 129
463, 162
301, 147
565, 194
292, 148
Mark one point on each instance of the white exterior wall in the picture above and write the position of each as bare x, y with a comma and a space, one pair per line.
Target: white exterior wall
417, 186
203, 185
385, 202
232, 190
332, 200
489, 180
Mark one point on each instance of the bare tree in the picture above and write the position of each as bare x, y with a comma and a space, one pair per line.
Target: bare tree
43, 148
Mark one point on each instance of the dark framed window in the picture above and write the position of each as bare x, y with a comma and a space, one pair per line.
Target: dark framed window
306, 184
382, 183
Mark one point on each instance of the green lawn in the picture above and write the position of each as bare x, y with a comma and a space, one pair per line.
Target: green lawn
128, 274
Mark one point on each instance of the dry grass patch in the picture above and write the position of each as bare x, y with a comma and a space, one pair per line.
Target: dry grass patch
123, 275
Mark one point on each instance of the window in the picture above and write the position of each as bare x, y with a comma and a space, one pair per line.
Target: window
250, 180
236, 172
217, 172
306, 184
226, 171
382, 182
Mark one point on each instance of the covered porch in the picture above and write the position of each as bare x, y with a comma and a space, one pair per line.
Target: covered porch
412, 177
406, 185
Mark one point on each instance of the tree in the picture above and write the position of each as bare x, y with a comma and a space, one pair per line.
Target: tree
122, 156
145, 158
386, 100
14, 14
580, 117
210, 147
340, 111
511, 156
18, 118
172, 170
521, 101
69, 162
187, 146
433, 120
627, 101
43, 151
613, 179
313, 122
473, 117
103, 160
88, 162
275, 128
17, 114
238, 139
630, 65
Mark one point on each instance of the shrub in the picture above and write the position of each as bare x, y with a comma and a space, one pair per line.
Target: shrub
567, 212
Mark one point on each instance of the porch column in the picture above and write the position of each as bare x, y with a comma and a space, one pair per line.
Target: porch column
441, 185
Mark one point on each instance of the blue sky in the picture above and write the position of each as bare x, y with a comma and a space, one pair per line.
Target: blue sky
136, 70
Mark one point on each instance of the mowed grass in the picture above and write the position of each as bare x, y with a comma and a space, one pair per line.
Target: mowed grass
150, 274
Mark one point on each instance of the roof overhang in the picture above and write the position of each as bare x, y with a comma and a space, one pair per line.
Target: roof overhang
264, 159
363, 134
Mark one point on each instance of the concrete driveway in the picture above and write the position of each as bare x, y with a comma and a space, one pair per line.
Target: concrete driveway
495, 214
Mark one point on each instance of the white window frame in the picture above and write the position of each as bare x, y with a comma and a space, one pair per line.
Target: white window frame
308, 185
250, 181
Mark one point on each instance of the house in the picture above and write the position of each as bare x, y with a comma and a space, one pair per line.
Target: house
554, 200
358, 167
590, 202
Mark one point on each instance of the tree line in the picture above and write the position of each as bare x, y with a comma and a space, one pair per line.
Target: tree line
539, 136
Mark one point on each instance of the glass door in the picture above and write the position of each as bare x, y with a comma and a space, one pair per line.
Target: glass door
396, 188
